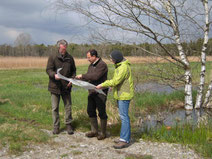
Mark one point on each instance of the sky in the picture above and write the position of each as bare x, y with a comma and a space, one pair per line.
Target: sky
46, 25
35, 17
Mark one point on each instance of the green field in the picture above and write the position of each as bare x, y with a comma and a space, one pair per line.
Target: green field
25, 109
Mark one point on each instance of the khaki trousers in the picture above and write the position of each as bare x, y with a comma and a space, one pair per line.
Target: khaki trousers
55, 100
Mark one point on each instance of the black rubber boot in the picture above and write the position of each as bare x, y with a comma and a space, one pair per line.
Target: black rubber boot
102, 136
94, 128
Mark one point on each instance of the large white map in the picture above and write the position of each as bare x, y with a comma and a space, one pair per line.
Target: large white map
80, 83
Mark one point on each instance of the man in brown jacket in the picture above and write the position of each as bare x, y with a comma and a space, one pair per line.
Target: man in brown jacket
96, 74
58, 87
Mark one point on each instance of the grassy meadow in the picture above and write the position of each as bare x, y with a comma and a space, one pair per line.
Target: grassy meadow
25, 107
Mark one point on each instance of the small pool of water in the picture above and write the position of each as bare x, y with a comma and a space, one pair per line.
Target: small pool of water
177, 117
170, 118
153, 87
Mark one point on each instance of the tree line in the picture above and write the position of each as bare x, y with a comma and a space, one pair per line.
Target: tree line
79, 50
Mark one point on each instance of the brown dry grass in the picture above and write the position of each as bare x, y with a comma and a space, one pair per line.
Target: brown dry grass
40, 62
29, 62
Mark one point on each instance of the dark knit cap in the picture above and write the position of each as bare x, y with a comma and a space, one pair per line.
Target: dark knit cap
117, 56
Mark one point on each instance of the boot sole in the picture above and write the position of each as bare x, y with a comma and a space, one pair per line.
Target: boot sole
90, 136
121, 147
116, 141
101, 138
70, 133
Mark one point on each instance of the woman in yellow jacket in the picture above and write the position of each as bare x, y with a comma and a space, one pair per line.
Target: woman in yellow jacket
123, 92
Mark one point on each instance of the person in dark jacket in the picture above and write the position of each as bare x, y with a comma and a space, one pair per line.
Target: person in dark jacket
61, 88
96, 74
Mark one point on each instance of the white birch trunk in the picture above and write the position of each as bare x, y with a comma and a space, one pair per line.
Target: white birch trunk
199, 97
188, 90
188, 78
208, 96
202, 82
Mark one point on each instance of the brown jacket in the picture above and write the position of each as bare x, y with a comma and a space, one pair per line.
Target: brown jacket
67, 64
96, 74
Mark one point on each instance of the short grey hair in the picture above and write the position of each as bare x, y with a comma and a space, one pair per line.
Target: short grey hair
63, 42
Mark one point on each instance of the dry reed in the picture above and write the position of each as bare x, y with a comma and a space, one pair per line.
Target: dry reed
29, 62
40, 62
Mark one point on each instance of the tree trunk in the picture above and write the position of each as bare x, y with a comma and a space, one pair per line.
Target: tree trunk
199, 100
202, 77
202, 81
188, 90
188, 78
208, 96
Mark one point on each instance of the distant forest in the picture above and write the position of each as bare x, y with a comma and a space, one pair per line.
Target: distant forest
79, 50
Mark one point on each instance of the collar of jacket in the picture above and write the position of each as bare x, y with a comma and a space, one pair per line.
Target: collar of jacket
119, 64
96, 62
62, 57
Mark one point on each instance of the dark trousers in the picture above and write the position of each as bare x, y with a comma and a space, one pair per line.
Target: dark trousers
55, 99
97, 101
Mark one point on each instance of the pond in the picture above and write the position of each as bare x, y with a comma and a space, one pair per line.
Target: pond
170, 118
177, 117
155, 88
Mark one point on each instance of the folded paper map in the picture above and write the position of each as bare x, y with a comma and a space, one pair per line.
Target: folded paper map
80, 83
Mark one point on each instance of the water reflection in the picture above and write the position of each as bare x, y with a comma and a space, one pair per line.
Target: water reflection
170, 119
153, 87
177, 117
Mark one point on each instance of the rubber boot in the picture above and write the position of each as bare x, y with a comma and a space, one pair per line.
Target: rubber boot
94, 128
102, 136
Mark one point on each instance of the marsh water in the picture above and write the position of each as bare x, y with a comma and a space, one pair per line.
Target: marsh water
177, 117
170, 118
155, 88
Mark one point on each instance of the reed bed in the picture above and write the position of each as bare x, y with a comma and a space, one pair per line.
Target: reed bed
29, 62
40, 62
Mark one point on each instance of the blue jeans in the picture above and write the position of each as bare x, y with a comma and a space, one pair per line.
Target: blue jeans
125, 120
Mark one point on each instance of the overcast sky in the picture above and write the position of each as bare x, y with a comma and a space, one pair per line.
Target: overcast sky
37, 19
44, 24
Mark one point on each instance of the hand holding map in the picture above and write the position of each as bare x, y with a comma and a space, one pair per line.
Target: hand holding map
80, 83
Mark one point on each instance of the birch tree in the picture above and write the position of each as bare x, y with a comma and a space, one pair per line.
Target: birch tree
161, 21
205, 29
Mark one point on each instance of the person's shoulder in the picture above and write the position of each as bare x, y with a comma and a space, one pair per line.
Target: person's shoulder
70, 56
53, 55
122, 65
102, 62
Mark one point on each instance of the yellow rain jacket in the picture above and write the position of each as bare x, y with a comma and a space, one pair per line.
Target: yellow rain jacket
122, 81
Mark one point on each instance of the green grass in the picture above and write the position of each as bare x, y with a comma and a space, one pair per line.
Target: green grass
199, 138
152, 101
25, 105
25, 109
